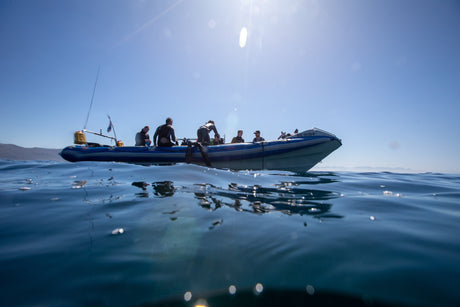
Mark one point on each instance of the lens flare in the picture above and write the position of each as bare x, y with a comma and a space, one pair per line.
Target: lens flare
259, 288
201, 303
310, 289
188, 296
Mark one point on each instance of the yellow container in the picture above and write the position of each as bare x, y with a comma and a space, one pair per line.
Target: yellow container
79, 138
120, 144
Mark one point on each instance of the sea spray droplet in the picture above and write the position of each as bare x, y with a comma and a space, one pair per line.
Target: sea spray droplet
78, 184
205, 202
217, 222
118, 231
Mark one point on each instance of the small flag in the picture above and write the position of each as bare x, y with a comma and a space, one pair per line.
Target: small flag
109, 128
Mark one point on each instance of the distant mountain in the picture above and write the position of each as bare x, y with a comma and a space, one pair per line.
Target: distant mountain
13, 152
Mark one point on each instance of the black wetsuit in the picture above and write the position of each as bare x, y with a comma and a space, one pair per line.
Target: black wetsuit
141, 137
203, 133
166, 136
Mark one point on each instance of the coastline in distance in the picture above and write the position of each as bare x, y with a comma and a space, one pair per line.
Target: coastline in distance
14, 152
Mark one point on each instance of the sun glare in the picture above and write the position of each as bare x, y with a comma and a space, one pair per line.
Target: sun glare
243, 37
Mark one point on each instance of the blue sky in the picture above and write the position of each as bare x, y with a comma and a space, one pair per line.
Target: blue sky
384, 76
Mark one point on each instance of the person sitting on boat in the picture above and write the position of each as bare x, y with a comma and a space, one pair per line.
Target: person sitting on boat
239, 137
285, 135
295, 132
203, 132
142, 137
217, 140
165, 134
282, 136
258, 138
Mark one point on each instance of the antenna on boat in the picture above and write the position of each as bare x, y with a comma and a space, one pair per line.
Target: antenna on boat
79, 136
92, 98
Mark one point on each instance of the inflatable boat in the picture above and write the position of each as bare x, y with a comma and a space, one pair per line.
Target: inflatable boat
299, 152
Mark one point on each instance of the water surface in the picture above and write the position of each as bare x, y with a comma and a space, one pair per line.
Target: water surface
126, 235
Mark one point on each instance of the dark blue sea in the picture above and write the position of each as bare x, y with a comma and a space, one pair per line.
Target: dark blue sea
113, 234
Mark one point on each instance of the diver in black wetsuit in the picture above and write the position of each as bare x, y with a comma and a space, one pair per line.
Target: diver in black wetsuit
165, 134
203, 132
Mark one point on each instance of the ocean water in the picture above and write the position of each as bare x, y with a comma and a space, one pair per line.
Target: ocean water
114, 234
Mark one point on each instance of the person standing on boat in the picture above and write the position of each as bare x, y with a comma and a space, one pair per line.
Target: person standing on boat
203, 132
239, 137
142, 137
258, 138
165, 134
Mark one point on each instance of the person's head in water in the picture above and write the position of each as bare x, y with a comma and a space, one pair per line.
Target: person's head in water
169, 121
